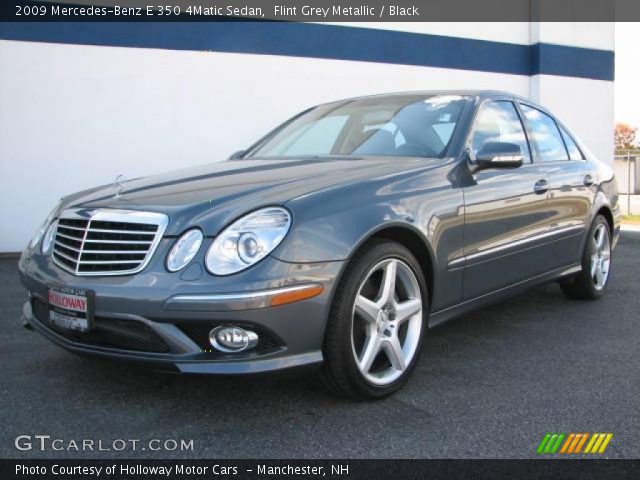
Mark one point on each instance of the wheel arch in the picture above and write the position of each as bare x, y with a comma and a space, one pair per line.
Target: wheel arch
411, 238
606, 212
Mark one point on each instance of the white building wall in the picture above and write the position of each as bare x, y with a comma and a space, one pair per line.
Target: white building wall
598, 35
585, 105
506, 32
76, 116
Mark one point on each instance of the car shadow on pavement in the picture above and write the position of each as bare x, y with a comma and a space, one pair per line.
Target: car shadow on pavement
445, 346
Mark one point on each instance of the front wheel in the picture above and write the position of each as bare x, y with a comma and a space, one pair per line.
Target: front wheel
377, 321
591, 282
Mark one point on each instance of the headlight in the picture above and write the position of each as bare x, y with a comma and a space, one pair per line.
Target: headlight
43, 228
49, 237
184, 250
248, 240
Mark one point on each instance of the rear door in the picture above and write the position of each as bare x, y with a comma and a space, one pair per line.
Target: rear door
571, 181
506, 210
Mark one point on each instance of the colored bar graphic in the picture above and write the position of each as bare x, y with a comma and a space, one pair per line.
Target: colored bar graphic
596, 446
556, 445
581, 443
543, 443
551, 442
607, 439
574, 444
565, 447
594, 437
598, 442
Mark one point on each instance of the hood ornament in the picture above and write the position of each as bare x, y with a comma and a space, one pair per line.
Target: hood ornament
118, 185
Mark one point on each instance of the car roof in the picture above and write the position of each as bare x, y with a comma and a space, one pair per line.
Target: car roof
480, 94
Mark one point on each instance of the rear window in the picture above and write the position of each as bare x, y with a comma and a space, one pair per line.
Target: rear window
546, 135
574, 151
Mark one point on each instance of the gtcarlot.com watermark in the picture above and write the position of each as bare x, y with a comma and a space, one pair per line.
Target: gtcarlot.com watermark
44, 443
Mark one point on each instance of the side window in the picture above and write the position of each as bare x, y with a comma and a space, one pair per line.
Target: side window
574, 151
546, 135
498, 122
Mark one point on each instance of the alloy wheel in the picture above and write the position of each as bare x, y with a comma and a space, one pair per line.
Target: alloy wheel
601, 257
386, 321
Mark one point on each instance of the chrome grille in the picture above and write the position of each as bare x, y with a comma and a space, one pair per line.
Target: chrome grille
106, 242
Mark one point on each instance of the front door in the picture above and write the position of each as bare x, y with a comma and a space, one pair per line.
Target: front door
506, 210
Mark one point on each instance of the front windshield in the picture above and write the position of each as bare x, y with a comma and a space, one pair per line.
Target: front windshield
400, 125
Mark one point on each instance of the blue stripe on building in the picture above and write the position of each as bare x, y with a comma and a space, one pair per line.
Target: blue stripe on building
329, 42
571, 61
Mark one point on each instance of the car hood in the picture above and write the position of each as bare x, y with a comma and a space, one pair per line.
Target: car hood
212, 195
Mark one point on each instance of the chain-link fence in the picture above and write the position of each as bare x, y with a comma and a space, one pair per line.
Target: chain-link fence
628, 176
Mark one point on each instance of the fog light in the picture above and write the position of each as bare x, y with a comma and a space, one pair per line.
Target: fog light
232, 339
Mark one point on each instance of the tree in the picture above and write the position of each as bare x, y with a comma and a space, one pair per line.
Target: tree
625, 136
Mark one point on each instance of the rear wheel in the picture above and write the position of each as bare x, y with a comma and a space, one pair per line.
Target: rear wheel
376, 325
592, 281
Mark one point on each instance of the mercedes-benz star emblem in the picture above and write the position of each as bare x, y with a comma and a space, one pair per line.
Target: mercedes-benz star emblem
118, 185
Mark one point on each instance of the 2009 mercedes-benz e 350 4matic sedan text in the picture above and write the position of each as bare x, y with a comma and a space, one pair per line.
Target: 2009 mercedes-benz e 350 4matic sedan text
335, 241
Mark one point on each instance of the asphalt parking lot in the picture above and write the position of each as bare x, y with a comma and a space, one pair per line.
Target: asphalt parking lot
490, 384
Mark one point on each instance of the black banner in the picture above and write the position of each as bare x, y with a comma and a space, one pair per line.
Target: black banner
321, 10
331, 469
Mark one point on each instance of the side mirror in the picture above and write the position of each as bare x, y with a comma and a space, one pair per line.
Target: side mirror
499, 155
237, 154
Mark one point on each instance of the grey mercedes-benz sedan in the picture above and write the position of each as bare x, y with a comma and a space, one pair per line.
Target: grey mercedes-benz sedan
334, 241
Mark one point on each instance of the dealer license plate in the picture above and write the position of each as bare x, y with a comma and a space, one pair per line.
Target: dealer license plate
71, 308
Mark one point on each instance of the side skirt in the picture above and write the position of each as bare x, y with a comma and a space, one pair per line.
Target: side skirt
441, 316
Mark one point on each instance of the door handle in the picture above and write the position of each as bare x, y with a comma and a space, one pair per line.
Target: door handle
588, 180
541, 186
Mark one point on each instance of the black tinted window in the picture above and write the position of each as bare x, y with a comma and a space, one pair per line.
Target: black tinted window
574, 151
498, 122
546, 135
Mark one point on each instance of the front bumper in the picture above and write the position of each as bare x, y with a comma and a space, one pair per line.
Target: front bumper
161, 320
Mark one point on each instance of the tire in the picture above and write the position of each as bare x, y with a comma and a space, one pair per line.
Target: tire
350, 369
587, 285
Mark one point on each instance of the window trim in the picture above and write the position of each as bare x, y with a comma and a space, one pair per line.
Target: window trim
519, 114
535, 142
564, 129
